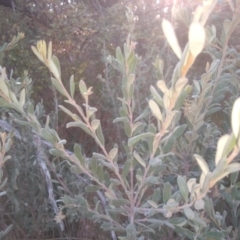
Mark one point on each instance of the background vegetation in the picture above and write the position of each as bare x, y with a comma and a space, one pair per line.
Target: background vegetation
85, 36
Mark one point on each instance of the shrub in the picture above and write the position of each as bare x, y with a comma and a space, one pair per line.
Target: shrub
150, 186
5, 145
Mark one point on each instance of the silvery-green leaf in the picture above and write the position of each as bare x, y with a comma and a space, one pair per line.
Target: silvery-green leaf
57, 153
132, 64
180, 84
90, 111
126, 168
234, 177
94, 165
206, 184
106, 164
115, 182
214, 235
181, 98
72, 86
198, 13
213, 67
202, 163
162, 86
78, 153
3, 87
154, 162
76, 169
127, 128
199, 204
100, 174
106, 225
99, 155
220, 147
155, 110
139, 159
218, 173
178, 221
125, 94
131, 78
144, 114
119, 202
152, 204
92, 188
95, 124
119, 55
30, 108
59, 87
190, 184
156, 96
39, 56
154, 221
8, 145
167, 191
47, 121
49, 51
48, 136
121, 119
54, 66
13, 98
185, 232
82, 125
166, 101
139, 137
168, 224
22, 97
62, 142
196, 37
74, 116
131, 230
171, 139
156, 195
113, 153
171, 37
232, 167
67, 199
152, 180
197, 86
138, 126
7, 157
171, 204
139, 178
83, 88
183, 187
203, 179
212, 111
100, 135
188, 213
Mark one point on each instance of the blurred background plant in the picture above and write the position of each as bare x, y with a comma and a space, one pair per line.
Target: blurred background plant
5, 145
85, 35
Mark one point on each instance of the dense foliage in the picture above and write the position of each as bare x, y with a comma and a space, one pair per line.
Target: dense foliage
143, 153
